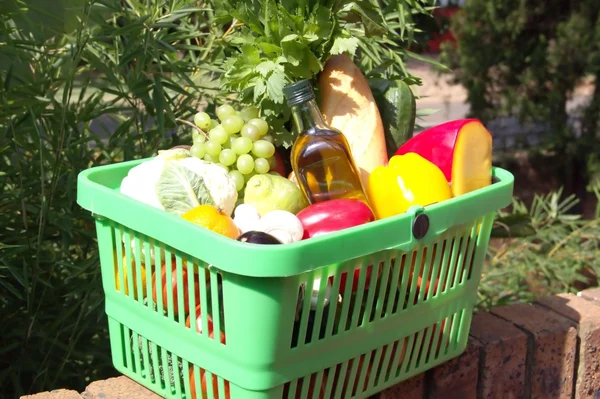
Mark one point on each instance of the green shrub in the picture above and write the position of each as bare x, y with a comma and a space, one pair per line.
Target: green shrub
89, 82
540, 250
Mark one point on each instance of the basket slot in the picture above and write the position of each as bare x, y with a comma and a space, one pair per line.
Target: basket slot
157, 281
457, 261
136, 343
471, 248
373, 373
447, 254
330, 385
340, 378
416, 270
384, 365
332, 309
146, 367
395, 272
404, 280
421, 359
425, 279
313, 386
315, 332
433, 283
367, 312
219, 318
382, 290
128, 355
348, 301
150, 268
355, 313
365, 368
350, 386
289, 391
187, 374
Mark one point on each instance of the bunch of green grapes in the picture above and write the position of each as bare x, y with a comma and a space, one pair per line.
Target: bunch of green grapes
238, 141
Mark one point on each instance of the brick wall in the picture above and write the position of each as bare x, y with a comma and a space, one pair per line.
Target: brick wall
546, 350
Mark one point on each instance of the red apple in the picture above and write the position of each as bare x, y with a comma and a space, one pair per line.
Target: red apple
462, 149
333, 215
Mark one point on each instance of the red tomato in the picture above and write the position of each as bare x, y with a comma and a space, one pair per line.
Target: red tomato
211, 332
203, 385
173, 287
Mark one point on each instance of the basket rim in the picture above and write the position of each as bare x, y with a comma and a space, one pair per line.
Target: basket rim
98, 192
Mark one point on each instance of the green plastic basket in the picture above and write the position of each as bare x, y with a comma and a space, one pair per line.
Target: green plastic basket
406, 305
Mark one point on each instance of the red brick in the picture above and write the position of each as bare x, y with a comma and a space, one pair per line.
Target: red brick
55, 394
587, 315
552, 344
503, 357
456, 378
118, 388
412, 388
592, 294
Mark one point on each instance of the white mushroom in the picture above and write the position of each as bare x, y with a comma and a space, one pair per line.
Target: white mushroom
246, 217
283, 225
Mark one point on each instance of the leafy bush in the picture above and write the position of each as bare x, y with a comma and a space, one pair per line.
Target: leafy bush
525, 58
85, 83
120, 67
555, 251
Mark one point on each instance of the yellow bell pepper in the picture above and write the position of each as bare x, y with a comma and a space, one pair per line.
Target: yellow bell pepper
408, 180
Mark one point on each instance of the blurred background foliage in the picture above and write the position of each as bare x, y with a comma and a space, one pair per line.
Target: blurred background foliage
85, 83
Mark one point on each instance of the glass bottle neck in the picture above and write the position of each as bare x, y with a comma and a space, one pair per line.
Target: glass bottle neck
306, 116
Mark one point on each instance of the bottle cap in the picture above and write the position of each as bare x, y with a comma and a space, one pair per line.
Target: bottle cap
298, 92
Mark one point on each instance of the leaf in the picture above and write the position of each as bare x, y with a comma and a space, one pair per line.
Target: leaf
180, 189
275, 84
344, 45
267, 66
369, 15
516, 225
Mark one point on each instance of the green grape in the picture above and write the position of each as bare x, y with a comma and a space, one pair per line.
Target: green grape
269, 138
202, 120
199, 138
219, 135
238, 178
232, 124
209, 158
213, 149
223, 166
198, 150
261, 124
263, 149
213, 124
261, 165
232, 139
249, 113
227, 157
245, 164
224, 111
250, 131
241, 145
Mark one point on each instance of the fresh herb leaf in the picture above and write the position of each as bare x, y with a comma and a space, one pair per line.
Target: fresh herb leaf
344, 45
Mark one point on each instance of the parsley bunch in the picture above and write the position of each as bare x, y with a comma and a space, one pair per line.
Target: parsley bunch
271, 43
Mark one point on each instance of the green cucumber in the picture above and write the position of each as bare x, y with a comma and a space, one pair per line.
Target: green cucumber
397, 106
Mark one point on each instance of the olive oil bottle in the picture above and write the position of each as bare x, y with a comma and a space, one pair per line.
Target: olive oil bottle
320, 157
